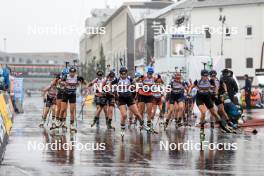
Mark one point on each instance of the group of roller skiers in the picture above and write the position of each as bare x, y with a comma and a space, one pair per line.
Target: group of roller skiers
208, 92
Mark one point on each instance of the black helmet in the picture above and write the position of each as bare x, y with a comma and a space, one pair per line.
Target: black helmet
122, 70
99, 73
204, 73
213, 73
72, 69
226, 72
111, 74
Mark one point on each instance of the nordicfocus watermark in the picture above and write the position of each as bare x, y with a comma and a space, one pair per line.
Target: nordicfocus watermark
131, 88
190, 145
160, 29
73, 145
60, 30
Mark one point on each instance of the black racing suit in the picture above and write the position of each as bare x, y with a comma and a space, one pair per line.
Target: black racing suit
125, 96
70, 88
232, 87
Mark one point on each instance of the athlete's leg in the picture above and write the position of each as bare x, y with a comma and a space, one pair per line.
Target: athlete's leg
222, 112
123, 113
149, 112
181, 106
110, 116
72, 111
154, 109
63, 110
133, 108
141, 108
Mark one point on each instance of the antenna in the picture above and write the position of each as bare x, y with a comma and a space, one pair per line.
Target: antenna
106, 4
66, 64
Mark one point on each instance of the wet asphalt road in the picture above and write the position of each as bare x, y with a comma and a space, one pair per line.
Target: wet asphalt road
139, 154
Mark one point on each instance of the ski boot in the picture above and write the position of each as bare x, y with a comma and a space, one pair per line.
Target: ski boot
212, 125
231, 124
123, 129
224, 127
63, 125
95, 122
43, 120
178, 123
72, 127
149, 125
53, 124
202, 134
130, 122
146, 127
109, 125
166, 124
106, 121
185, 122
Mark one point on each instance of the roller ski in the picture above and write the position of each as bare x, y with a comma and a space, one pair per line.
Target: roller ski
166, 124
41, 125
122, 132
178, 123
130, 122
72, 128
186, 123
148, 129
63, 126
53, 124
161, 123
224, 127
95, 122
57, 125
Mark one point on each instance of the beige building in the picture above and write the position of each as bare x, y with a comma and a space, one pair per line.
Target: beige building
118, 40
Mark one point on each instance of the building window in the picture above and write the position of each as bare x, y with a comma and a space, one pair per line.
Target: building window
249, 30
7, 59
207, 33
20, 60
228, 63
177, 47
29, 61
1, 59
228, 32
13, 59
249, 62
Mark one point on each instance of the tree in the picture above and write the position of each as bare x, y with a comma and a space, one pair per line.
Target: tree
88, 69
102, 60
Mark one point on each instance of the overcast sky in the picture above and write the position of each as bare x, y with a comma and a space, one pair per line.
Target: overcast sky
45, 25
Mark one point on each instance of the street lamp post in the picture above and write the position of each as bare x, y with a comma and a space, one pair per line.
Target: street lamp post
222, 19
4, 39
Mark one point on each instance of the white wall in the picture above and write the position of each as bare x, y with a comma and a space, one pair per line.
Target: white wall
238, 46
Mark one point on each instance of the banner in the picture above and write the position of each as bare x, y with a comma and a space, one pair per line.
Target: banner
2, 130
19, 89
4, 113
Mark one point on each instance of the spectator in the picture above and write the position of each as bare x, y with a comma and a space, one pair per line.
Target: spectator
232, 87
2, 80
247, 88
